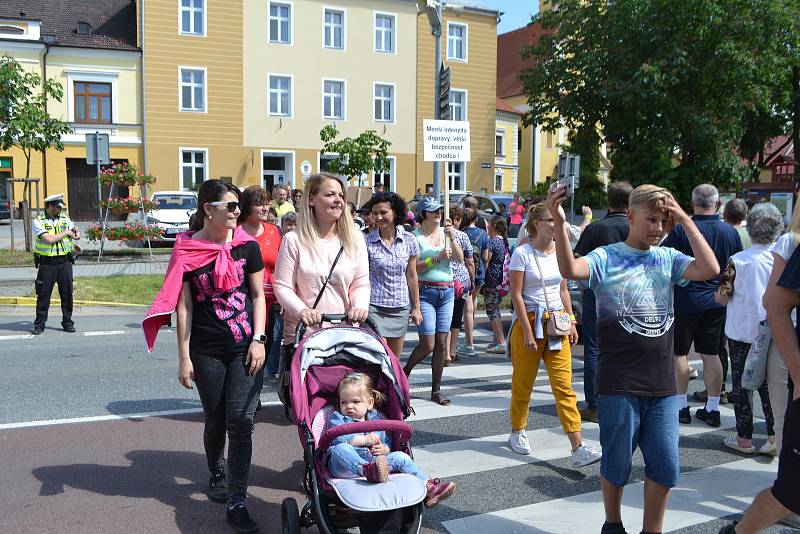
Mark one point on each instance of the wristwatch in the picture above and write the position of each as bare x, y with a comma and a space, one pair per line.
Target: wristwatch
260, 338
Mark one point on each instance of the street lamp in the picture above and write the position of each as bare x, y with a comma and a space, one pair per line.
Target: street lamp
434, 9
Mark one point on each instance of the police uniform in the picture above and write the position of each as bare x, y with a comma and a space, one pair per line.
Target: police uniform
55, 266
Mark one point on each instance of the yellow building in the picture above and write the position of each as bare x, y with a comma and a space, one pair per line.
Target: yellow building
98, 66
506, 148
469, 48
309, 63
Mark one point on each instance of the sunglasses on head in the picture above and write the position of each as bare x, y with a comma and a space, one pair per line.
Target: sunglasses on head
232, 206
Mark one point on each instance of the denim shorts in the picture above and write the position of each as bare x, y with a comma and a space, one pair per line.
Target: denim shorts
649, 423
436, 304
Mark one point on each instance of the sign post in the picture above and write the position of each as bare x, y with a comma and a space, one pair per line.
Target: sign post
97, 153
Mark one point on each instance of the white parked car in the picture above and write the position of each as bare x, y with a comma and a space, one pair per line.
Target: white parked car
172, 213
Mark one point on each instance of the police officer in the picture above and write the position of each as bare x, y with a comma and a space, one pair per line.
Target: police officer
55, 235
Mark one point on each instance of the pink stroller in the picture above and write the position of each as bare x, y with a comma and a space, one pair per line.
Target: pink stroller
319, 363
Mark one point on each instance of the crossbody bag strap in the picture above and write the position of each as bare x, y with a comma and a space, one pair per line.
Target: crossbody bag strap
325, 284
541, 278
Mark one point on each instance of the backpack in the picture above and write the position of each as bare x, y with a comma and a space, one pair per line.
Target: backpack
504, 287
476, 249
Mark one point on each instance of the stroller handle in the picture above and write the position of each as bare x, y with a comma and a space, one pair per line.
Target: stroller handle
402, 430
331, 318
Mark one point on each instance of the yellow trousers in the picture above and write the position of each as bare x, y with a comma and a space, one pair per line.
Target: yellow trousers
525, 368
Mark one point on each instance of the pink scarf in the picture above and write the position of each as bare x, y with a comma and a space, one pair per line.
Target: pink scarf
187, 255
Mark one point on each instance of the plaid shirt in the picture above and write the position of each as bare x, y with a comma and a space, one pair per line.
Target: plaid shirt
387, 268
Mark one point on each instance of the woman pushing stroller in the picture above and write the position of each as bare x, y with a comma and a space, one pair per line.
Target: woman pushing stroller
370, 455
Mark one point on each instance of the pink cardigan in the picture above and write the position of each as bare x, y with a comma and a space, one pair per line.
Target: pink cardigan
187, 255
301, 271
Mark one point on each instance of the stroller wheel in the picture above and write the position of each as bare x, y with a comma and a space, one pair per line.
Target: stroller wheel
290, 517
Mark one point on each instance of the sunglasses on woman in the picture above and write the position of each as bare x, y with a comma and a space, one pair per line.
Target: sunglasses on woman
232, 206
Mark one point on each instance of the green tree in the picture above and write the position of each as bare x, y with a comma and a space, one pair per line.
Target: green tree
670, 82
355, 156
585, 142
24, 119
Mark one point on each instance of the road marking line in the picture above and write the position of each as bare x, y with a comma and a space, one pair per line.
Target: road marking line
108, 332
101, 418
16, 337
701, 496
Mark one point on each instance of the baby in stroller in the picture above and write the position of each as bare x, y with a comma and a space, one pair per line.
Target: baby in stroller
370, 455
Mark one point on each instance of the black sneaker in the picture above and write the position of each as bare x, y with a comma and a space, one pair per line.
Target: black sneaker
613, 528
728, 529
69, 328
685, 416
217, 487
711, 418
37, 330
239, 519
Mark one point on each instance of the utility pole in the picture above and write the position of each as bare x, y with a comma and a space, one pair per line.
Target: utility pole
437, 32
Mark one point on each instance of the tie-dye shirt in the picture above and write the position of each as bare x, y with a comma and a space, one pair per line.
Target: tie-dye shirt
634, 317
222, 321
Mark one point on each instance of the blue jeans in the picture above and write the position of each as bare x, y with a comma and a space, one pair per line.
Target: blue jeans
436, 305
649, 423
274, 356
229, 395
590, 350
345, 461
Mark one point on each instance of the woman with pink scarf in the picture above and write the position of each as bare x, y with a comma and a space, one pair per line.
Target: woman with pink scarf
214, 283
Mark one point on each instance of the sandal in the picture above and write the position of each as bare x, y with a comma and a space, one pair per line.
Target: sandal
440, 399
448, 362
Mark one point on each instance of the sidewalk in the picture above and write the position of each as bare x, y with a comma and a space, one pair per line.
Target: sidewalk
10, 274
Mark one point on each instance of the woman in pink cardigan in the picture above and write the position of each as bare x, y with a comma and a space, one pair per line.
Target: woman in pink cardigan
324, 226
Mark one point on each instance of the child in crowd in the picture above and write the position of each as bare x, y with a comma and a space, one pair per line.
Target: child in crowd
370, 455
633, 281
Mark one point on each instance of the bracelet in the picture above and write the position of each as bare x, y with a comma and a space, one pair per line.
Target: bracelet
572, 317
588, 217
698, 234
429, 262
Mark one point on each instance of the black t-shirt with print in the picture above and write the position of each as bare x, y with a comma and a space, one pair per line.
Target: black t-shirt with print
222, 321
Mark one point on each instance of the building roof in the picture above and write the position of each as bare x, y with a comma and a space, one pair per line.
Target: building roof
502, 105
113, 22
510, 63
778, 148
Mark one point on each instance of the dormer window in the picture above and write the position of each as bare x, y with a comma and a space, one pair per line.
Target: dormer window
84, 28
11, 30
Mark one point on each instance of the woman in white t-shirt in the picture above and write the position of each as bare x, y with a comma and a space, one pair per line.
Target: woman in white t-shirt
529, 342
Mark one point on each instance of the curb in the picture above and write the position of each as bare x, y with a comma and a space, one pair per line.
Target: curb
31, 301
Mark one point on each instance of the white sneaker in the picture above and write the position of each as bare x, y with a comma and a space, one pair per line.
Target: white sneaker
585, 455
769, 449
496, 348
791, 521
518, 441
466, 350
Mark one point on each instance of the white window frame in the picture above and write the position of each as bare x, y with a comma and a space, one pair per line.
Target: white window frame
182, 109
463, 104
502, 177
343, 118
395, 18
325, 10
183, 149
392, 174
451, 57
271, 75
327, 156
203, 9
291, 164
283, 3
392, 102
79, 76
461, 176
502, 135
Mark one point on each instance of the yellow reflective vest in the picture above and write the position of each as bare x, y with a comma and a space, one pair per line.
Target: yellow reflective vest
54, 227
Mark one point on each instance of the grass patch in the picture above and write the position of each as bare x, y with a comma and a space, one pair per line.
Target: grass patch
129, 289
15, 258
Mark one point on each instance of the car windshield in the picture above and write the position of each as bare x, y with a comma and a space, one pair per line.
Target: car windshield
176, 202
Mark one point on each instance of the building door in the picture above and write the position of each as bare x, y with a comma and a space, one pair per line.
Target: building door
273, 170
82, 189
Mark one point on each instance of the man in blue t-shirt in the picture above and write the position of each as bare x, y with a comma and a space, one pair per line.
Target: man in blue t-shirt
698, 318
636, 403
782, 500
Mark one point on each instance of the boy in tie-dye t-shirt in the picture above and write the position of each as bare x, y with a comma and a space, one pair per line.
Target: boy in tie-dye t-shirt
636, 402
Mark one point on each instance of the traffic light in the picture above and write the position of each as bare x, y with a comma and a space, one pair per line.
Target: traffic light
444, 92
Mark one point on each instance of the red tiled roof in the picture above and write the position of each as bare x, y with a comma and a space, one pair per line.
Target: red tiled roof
502, 105
777, 147
509, 61
113, 22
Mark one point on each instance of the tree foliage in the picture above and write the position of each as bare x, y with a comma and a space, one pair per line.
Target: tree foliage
355, 156
674, 85
24, 119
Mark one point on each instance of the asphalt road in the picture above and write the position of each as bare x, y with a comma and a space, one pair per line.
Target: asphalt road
97, 436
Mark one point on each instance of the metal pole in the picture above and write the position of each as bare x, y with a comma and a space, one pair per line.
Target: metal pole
437, 32
10, 187
99, 190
